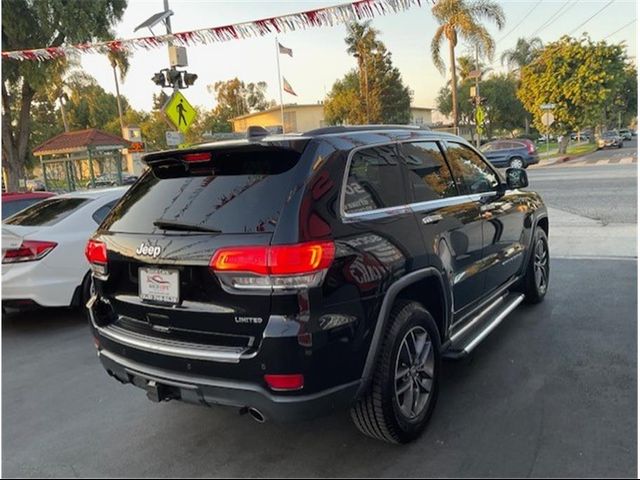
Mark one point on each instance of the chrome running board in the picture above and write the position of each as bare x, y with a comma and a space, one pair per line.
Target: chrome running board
468, 338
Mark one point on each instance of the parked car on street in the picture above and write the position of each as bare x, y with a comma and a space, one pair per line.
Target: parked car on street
584, 135
291, 275
625, 134
14, 202
47, 267
609, 139
111, 180
511, 153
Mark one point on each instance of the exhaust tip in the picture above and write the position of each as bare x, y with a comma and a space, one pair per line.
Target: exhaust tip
257, 415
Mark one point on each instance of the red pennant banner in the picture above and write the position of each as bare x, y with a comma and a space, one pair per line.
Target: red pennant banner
324, 17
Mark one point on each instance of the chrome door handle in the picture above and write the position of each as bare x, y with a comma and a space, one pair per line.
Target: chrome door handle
431, 219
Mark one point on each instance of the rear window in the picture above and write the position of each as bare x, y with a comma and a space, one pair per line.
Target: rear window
242, 192
14, 206
47, 212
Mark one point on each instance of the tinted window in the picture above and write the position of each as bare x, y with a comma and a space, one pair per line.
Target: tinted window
47, 212
240, 192
9, 208
375, 180
471, 173
429, 175
100, 214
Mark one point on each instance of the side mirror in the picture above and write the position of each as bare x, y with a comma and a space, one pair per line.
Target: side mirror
517, 178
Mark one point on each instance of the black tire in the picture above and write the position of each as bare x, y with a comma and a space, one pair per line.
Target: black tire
379, 413
535, 291
517, 162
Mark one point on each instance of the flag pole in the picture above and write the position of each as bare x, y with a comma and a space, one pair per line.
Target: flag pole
280, 83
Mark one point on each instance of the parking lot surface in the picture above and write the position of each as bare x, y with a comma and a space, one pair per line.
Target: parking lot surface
552, 392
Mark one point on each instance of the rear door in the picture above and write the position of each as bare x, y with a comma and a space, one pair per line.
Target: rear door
162, 235
498, 154
450, 222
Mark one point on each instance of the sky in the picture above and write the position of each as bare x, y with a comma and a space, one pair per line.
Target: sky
319, 54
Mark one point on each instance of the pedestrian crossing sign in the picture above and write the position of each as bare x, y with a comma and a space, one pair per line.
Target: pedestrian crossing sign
179, 111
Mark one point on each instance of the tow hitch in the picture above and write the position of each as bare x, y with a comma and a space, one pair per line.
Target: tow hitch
157, 392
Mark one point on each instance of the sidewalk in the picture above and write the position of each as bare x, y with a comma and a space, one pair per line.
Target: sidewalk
573, 235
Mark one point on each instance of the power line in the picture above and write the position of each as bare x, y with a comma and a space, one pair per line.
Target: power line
520, 22
592, 16
563, 9
621, 28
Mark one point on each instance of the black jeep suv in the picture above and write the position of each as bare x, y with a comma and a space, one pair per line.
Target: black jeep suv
291, 275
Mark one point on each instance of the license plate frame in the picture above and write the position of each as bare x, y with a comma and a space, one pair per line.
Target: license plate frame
160, 285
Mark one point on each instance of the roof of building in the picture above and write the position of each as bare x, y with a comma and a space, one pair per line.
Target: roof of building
78, 140
293, 106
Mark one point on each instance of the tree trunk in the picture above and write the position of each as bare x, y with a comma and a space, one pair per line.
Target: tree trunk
562, 146
15, 138
115, 78
454, 87
526, 124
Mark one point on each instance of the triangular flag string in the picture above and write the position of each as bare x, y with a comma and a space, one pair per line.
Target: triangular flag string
316, 18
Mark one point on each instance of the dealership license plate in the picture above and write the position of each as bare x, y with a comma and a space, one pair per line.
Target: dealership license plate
159, 285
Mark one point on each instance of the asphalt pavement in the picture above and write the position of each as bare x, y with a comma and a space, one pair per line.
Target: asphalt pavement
551, 393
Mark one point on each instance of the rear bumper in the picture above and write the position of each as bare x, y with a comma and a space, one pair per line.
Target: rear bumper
211, 392
37, 282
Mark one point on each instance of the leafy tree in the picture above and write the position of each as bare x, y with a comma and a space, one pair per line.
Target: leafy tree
465, 106
504, 110
580, 76
235, 98
343, 104
89, 105
461, 18
33, 24
374, 93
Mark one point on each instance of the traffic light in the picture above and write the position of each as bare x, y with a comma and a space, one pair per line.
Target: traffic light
188, 79
170, 77
159, 79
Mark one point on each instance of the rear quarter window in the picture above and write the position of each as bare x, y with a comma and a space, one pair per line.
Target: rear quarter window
47, 212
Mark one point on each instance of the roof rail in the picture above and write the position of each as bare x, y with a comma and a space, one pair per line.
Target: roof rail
362, 128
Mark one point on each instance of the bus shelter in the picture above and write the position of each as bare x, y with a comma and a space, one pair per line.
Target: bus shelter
82, 159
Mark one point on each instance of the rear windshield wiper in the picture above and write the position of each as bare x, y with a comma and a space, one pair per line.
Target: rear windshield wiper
186, 227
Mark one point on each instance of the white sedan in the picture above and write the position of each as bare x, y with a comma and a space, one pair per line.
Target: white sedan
43, 261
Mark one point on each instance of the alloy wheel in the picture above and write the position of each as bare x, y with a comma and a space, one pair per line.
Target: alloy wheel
415, 365
541, 265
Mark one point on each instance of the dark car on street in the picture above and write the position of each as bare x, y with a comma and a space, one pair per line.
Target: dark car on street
511, 153
609, 139
14, 202
292, 275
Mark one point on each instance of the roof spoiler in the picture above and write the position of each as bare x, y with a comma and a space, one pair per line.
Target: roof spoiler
255, 132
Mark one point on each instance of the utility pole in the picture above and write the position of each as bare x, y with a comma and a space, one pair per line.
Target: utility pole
477, 96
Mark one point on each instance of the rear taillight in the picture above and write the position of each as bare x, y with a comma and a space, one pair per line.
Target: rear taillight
29, 251
276, 268
96, 253
531, 147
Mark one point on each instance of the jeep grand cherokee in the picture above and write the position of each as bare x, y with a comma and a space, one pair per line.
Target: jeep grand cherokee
291, 275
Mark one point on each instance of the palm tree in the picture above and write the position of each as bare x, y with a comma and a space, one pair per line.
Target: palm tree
523, 53
361, 43
461, 18
119, 60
